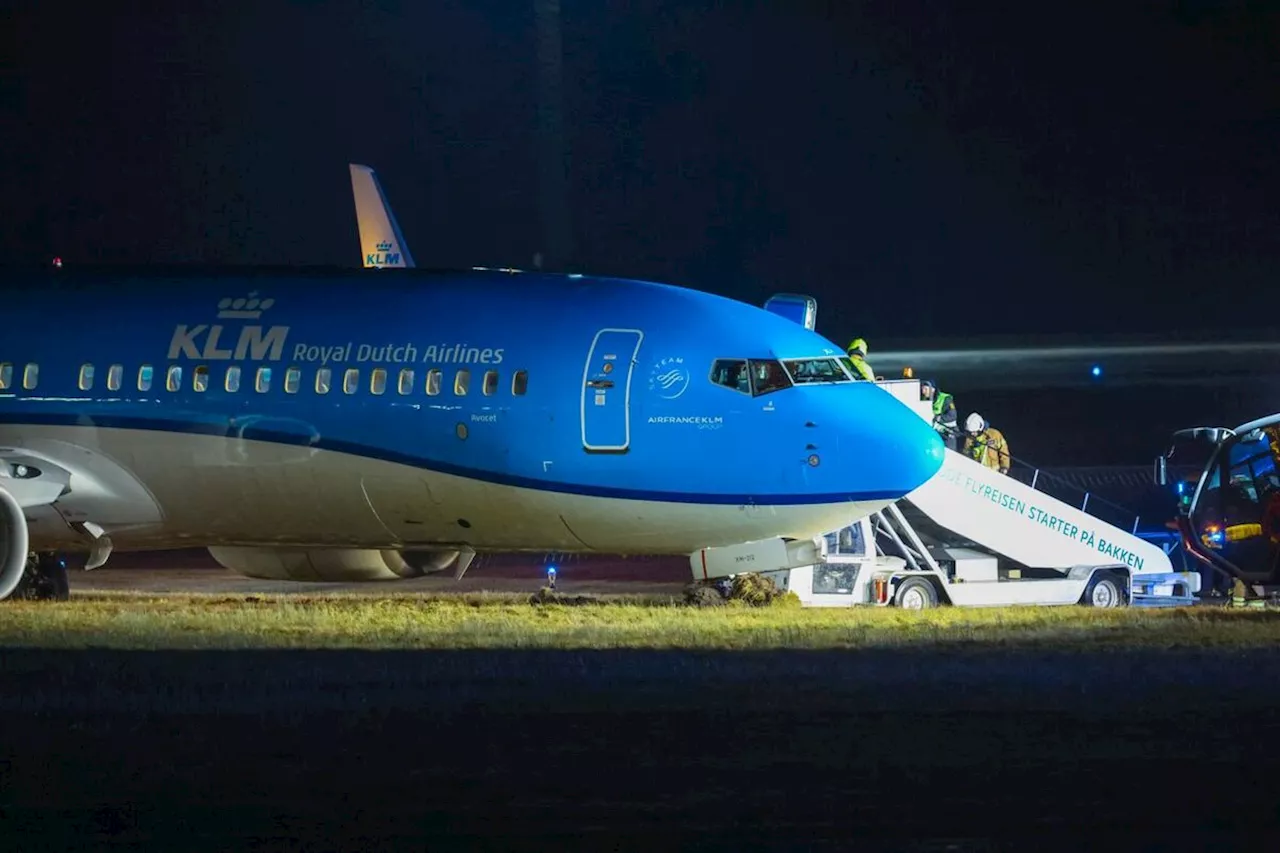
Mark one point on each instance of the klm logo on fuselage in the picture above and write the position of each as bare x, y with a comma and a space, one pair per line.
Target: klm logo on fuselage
259, 342
382, 256
212, 342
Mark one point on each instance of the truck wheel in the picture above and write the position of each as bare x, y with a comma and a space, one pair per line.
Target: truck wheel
916, 594
1105, 590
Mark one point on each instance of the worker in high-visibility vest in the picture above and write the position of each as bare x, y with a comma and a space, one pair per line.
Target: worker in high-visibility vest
857, 353
944, 412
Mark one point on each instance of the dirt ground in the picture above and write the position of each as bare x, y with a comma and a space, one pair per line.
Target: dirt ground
300, 750
196, 571
221, 581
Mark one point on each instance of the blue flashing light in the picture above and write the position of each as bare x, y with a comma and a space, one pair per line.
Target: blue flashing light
1182, 487
1096, 370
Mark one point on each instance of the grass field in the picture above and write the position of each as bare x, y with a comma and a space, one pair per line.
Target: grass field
125, 621
1038, 728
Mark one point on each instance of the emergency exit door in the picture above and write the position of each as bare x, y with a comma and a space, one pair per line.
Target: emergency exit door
606, 390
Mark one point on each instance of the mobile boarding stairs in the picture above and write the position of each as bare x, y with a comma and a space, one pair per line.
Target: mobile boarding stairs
970, 536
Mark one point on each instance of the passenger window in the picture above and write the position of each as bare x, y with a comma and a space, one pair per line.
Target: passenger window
520, 382
292, 379
173, 379
490, 386
200, 379
406, 381
6, 375
324, 380
30, 376
378, 380
86, 377
115, 377
433, 382
262, 384
768, 376
145, 374
461, 382
351, 381
731, 373
233, 379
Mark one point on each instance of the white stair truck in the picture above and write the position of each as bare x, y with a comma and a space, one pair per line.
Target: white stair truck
975, 537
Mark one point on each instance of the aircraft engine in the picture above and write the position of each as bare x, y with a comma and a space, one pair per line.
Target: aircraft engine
334, 565
415, 564
14, 543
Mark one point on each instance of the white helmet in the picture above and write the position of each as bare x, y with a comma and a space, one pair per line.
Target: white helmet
974, 424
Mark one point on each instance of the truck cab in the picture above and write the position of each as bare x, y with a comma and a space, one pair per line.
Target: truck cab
1227, 488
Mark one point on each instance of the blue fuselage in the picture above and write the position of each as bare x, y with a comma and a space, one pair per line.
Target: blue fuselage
524, 386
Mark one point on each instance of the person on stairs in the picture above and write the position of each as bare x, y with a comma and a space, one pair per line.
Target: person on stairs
985, 443
944, 412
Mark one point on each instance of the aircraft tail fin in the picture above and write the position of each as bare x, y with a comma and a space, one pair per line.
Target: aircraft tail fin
381, 243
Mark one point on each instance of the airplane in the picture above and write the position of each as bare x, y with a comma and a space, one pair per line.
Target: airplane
340, 425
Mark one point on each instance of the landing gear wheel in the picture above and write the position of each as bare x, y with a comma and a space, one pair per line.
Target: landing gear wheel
1105, 590
916, 594
45, 579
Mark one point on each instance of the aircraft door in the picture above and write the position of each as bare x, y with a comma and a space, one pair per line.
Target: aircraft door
606, 390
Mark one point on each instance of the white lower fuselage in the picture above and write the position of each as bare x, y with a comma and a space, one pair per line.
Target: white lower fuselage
156, 490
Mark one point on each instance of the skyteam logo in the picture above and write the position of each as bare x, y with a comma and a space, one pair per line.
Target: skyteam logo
669, 378
383, 255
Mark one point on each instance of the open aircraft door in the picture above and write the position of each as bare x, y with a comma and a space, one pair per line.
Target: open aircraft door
606, 390
795, 307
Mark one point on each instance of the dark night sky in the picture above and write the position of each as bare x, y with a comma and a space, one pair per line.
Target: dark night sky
1018, 167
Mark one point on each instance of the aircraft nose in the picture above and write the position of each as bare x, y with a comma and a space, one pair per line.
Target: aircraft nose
887, 447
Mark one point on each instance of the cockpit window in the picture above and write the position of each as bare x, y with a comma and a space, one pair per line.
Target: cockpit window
768, 376
754, 376
805, 371
731, 373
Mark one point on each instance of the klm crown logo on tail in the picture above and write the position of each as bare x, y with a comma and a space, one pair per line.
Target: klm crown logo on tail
381, 243
205, 341
382, 255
